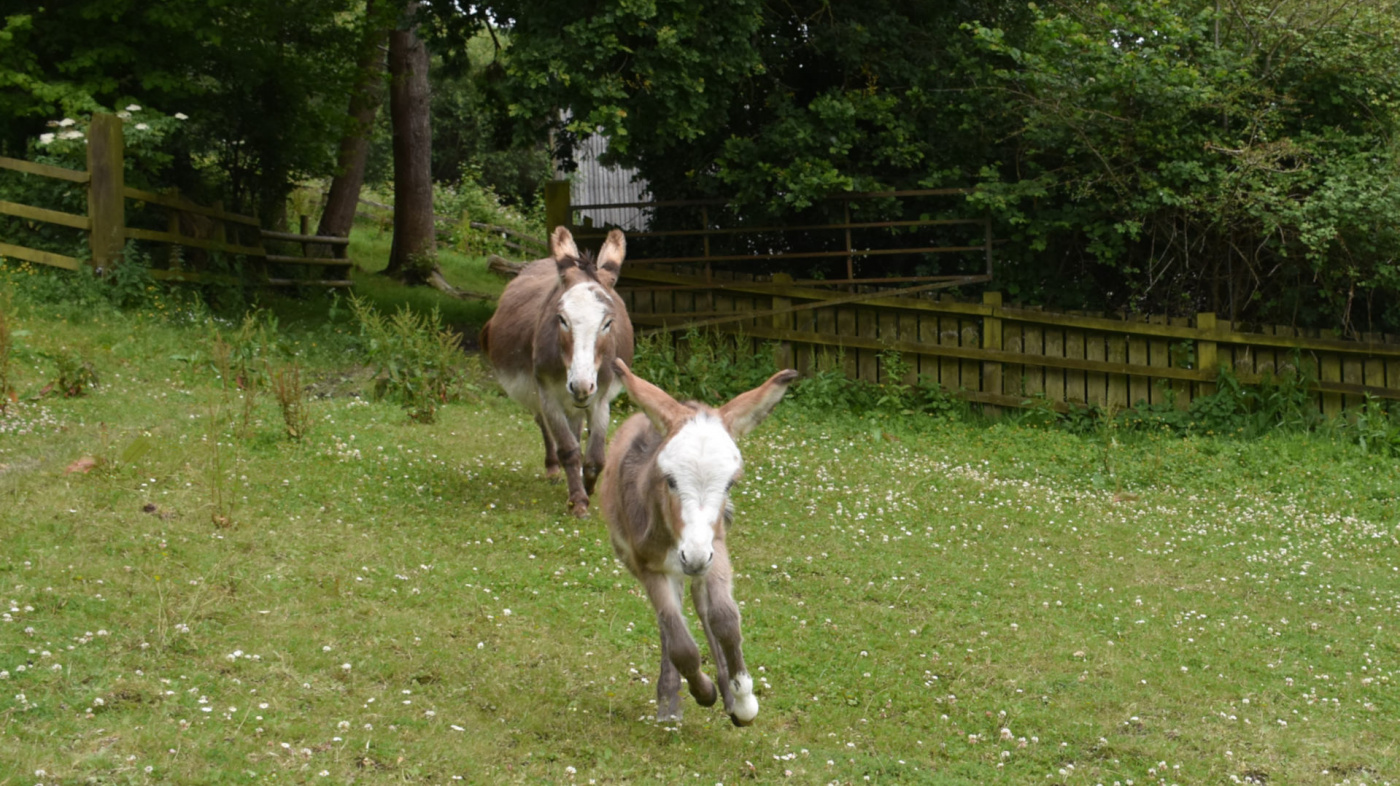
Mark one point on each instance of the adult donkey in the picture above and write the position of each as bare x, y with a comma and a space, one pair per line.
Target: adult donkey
557, 328
665, 495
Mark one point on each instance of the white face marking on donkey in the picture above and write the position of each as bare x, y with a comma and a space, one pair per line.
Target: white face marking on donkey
584, 315
700, 463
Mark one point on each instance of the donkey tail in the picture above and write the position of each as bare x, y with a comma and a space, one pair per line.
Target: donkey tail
484, 338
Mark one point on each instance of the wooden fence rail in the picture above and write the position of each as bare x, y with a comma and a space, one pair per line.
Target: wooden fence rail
108, 228
1012, 356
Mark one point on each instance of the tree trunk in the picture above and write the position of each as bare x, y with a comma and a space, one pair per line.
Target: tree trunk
365, 98
412, 256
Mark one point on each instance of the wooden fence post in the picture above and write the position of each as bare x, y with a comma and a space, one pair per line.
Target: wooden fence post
1207, 352
991, 339
106, 204
782, 350
557, 210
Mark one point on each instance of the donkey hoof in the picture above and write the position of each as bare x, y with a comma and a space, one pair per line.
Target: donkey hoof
734, 719
579, 509
704, 692
553, 474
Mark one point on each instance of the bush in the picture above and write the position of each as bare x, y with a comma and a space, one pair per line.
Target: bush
418, 362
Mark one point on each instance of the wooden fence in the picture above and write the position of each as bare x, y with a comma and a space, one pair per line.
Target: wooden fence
191, 229
710, 234
1005, 355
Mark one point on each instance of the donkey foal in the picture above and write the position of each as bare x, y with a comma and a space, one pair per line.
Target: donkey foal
665, 495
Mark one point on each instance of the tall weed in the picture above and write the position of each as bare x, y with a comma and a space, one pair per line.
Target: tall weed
285, 382
7, 386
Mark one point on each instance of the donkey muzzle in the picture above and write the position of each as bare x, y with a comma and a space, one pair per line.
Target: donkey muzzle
693, 564
582, 391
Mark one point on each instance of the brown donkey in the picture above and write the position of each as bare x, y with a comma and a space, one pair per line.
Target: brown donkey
557, 328
665, 496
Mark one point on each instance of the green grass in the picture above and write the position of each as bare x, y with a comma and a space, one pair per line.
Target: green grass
401, 603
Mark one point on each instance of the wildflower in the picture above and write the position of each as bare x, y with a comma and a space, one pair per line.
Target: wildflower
71, 134
133, 107
65, 122
142, 127
45, 139
181, 116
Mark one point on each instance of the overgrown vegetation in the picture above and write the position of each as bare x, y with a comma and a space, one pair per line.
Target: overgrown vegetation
417, 361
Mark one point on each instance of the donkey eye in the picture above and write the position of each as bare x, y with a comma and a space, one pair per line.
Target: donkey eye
563, 323
607, 326
670, 481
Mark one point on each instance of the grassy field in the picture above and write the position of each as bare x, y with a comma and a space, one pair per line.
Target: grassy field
204, 601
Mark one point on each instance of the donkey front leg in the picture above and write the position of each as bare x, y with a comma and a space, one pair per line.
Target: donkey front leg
720, 617
564, 429
595, 455
679, 654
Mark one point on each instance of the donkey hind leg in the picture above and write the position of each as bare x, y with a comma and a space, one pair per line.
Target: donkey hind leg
722, 624
551, 453
595, 455
677, 646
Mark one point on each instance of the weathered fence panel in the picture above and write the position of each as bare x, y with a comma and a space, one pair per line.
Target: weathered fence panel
1003, 355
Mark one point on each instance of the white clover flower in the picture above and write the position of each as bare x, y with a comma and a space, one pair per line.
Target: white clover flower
45, 139
133, 107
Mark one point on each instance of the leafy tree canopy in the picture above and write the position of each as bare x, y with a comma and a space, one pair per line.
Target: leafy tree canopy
263, 82
1149, 154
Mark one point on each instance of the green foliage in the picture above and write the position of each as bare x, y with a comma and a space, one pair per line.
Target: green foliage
1162, 150
706, 366
74, 374
469, 200
1374, 427
264, 85
417, 361
777, 104
473, 137
84, 292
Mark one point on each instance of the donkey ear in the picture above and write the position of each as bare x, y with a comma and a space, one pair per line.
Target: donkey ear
743, 413
561, 245
663, 411
610, 258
